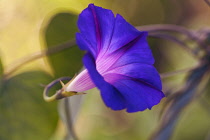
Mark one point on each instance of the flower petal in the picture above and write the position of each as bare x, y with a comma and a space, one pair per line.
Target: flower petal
119, 60
123, 34
137, 51
81, 82
96, 26
110, 95
139, 95
142, 72
102, 32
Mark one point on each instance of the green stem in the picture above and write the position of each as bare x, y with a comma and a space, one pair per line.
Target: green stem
69, 119
34, 56
174, 39
169, 28
58, 94
161, 28
172, 73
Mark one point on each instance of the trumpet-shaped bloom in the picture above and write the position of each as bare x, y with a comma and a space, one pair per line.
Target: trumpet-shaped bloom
118, 62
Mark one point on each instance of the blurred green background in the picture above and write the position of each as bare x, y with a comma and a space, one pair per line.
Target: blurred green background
27, 27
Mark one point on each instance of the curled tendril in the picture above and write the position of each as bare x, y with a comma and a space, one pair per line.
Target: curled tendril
58, 94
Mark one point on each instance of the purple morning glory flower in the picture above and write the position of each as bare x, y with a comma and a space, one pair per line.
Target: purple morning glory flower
118, 62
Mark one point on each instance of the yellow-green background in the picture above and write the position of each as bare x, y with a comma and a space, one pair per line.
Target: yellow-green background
29, 26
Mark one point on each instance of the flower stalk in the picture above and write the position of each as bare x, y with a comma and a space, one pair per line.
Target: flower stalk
60, 94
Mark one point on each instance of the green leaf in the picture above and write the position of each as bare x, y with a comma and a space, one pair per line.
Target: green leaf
24, 113
61, 29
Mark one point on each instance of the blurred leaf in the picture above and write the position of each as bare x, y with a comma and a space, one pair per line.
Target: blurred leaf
61, 29
24, 113
1, 68
193, 125
171, 10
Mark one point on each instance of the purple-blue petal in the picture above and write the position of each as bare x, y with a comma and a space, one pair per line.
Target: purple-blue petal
84, 44
119, 60
96, 25
143, 72
87, 28
138, 95
125, 92
103, 32
110, 95
123, 34
137, 51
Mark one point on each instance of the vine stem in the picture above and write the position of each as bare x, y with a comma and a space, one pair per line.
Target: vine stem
180, 100
69, 119
158, 28
207, 2
172, 73
57, 95
168, 27
38, 55
173, 39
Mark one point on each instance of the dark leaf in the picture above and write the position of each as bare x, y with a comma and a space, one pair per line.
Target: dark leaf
24, 113
61, 29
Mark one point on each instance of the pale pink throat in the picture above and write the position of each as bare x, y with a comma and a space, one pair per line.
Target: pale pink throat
82, 82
